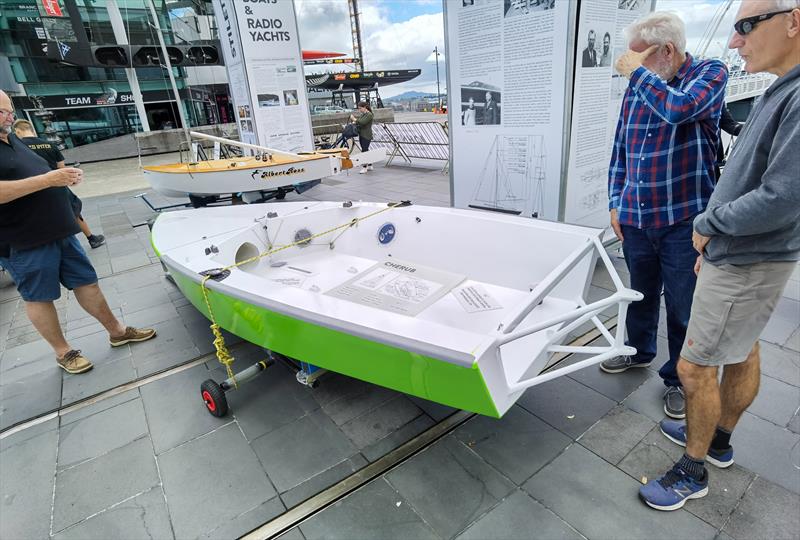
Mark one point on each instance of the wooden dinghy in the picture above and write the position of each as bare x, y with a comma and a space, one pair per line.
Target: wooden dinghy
268, 171
460, 307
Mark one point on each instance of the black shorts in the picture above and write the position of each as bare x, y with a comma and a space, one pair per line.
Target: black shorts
76, 203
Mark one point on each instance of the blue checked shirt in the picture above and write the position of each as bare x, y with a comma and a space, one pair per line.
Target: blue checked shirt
662, 163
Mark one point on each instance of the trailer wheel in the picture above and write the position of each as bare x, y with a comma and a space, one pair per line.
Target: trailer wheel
214, 397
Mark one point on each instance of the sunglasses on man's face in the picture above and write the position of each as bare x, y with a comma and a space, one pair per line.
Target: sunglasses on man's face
748, 24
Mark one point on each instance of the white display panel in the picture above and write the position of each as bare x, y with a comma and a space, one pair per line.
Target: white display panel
507, 79
598, 94
265, 72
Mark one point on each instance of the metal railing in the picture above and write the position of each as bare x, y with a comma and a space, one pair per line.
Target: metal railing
422, 140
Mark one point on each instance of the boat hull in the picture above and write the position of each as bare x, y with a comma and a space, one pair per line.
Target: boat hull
391, 367
183, 179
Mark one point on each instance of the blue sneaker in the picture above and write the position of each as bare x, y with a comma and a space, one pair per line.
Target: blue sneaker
671, 491
676, 432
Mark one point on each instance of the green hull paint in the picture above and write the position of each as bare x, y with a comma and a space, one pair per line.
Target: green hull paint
401, 370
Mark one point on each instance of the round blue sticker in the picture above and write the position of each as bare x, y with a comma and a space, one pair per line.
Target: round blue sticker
386, 233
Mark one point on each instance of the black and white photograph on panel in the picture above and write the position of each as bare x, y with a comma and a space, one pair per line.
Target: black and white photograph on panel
590, 50
475, 3
290, 97
631, 4
268, 100
247, 125
523, 7
480, 104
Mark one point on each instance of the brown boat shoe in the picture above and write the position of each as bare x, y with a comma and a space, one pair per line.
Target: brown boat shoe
132, 335
74, 362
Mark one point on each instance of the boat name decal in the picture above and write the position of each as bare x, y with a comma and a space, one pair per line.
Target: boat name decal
400, 267
287, 172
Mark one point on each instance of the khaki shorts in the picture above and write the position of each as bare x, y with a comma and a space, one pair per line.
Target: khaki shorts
730, 309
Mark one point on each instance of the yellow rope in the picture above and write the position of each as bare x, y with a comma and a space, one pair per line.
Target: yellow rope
223, 354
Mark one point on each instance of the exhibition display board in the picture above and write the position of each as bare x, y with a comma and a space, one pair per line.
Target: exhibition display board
508, 71
262, 53
597, 98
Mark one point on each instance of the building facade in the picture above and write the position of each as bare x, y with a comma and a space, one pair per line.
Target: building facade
90, 94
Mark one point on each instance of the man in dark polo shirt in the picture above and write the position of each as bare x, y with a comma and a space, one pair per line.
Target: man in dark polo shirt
24, 130
39, 249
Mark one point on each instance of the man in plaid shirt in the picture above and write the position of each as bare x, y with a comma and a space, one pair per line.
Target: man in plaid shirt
661, 176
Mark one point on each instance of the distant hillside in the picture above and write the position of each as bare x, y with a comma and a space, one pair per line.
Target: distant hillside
407, 96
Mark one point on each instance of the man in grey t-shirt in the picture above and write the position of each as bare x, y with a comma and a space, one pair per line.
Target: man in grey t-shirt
749, 243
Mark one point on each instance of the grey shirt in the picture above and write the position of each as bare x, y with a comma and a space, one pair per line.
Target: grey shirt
754, 213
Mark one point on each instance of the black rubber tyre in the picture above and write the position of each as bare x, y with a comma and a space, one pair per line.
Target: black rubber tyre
214, 398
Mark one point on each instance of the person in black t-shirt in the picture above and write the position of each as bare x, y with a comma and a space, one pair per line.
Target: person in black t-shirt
39, 249
24, 131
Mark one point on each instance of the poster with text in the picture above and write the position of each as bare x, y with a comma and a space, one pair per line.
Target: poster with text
265, 72
507, 78
597, 100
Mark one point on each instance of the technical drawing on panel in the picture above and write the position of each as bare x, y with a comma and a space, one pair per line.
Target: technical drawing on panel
513, 176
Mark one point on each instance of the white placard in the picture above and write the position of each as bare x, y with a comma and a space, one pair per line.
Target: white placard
507, 81
265, 72
599, 90
474, 299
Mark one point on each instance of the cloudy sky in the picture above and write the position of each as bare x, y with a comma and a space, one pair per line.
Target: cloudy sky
401, 34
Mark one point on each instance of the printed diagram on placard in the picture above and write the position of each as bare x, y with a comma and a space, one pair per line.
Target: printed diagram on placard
592, 201
513, 176
592, 177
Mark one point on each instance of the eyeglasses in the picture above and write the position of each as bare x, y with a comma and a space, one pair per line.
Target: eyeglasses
748, 24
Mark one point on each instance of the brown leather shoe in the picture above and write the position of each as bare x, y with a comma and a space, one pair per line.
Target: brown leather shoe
74, 362
132, 335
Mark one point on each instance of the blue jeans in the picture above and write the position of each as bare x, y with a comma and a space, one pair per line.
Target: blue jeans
656, 259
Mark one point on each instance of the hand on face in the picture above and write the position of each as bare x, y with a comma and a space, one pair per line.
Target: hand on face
631, 60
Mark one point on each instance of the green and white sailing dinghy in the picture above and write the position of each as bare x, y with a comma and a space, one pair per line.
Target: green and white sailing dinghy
461, 307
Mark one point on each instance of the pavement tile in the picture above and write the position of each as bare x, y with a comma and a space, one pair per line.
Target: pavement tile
268, 402
615, 386
769, 450
793, 343
100, 433
128, 262
449, 467
518, 516
147, 296
397, 437
381, 421
616, 434
648, 399
776, 401
765, 512
41, 365
375, 511
27, 465
783, 323
517, 445
175, 411
615, 510
143, 516
28, 353
323, 480
29, 397
302, 449
100, 483
100, 406
218, 473
172, 346
83, 326
656, 454
99, 379
781, 364
147, 317
368, 397
246, 522
437, 411
566, 405
292, 534
794, 423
